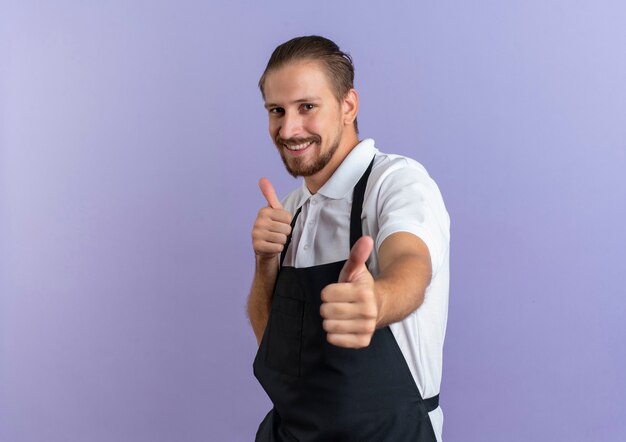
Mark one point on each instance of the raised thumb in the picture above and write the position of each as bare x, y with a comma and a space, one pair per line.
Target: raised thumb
358, 256
269, 193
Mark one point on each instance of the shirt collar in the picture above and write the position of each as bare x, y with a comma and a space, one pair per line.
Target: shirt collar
347, 174
349, 171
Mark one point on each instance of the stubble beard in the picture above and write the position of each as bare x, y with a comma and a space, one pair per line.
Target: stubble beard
296, 166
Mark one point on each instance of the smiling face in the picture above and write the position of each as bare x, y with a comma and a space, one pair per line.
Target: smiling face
311, 129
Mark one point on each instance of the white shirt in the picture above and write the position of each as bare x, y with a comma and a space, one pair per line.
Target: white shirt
400, 197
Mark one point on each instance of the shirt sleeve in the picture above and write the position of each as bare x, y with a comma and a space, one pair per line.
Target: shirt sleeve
409, 201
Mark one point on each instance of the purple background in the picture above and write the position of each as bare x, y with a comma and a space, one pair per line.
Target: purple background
132, 136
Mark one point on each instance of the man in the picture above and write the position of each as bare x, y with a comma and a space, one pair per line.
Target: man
350, 292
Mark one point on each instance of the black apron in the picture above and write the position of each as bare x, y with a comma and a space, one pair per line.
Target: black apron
325, 393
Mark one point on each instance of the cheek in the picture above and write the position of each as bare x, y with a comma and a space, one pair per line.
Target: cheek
316, 125
273, 127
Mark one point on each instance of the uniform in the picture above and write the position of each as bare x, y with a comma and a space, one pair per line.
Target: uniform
323, 392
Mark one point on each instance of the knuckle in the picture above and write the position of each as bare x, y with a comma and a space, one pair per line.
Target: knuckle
363, 341
371, 311
324, 294
285, 215
324, 310
361, 295
259, 224
335, 340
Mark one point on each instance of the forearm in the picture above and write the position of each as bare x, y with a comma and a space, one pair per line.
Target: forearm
260, 298
400, 288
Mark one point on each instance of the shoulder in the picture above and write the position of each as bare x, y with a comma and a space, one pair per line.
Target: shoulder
402, 197
397, 173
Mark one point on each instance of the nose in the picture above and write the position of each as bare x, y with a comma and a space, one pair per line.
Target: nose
291, 126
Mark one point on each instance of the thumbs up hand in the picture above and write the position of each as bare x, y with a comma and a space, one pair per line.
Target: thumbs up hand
269, 193
350, 307
272, 224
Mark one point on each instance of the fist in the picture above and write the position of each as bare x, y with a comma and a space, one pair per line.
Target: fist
272, 224
350, 307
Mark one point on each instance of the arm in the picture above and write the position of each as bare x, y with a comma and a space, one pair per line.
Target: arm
354, 307
260, 298
405, 272
407, 201
269, 235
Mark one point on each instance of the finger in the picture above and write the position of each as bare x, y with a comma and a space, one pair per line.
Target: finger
279, 216
274, 220
353, 326
264, 248
349, 340
358, 256
344, 310
339, 292
346, 292
269, 237
269, 193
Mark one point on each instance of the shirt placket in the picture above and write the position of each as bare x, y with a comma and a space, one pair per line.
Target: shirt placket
305, 256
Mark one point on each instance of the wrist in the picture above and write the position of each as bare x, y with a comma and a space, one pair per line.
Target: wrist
379, 297
266, 262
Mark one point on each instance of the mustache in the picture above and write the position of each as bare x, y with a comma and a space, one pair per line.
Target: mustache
291, 141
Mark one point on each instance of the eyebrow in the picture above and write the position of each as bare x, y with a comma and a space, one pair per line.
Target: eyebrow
301, 100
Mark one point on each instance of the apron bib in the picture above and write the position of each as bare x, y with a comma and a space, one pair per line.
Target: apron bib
325, 393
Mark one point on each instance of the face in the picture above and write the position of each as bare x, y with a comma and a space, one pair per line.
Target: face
305, 118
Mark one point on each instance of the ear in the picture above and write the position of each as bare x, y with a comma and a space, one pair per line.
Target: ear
350, 107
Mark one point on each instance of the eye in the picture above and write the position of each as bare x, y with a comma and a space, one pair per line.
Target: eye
276, 110
308, 106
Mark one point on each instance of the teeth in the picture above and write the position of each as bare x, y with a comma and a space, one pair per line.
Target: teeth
299, 146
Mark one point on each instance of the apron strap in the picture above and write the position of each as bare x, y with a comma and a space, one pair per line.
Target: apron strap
428, 405
356, 230
293, 223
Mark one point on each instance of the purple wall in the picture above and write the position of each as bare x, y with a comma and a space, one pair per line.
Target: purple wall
132, 136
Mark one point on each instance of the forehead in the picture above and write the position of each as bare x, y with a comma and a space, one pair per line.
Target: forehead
296, 80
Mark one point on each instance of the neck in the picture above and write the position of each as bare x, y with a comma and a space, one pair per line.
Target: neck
315, 182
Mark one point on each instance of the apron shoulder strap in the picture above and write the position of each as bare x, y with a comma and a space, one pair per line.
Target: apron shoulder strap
293, 223
356, 229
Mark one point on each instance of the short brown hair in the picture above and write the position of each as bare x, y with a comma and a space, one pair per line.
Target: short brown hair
338, 64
